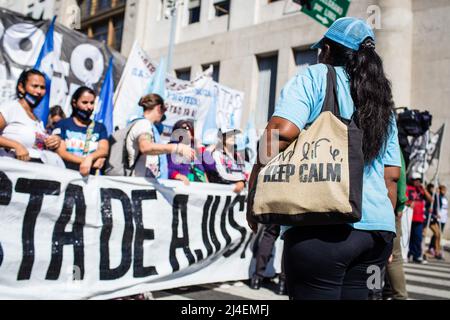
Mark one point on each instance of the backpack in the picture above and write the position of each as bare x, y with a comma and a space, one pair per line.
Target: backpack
117, 163
414, 123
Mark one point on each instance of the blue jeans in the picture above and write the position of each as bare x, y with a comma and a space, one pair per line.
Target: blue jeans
415, 241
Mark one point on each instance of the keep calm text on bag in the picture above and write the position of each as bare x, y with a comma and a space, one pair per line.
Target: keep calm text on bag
318, 179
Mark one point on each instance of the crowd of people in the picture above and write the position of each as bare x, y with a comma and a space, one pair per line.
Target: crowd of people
430, 211
82, 144
320, 262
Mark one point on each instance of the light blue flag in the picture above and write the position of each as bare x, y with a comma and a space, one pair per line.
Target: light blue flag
44, 64
105, 113
210, 124
158, 83
163, 164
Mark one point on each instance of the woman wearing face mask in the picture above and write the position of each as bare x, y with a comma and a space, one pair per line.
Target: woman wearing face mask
22, 134
84, 145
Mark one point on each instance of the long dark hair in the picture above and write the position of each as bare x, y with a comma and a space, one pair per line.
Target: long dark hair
371, 93
182, 124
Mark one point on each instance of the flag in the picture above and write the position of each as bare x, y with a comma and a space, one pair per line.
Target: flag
434, 146
158, 86
45, 63
424, 151
106, 108
158, 83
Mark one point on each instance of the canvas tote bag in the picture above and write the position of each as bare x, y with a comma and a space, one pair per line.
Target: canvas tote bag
318, 179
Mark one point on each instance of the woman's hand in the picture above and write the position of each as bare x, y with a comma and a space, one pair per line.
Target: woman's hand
183, 178
239, 186
85, 166
53, 142
185, 151
22, 153
99, 163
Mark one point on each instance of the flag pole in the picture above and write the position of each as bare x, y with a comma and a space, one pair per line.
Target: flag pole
436, 180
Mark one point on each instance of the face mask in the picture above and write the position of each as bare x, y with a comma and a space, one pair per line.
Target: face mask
83, 115
32, 100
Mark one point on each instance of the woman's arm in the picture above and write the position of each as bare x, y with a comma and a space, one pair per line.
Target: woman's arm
101, 152
279, 135
20, 151
67, 156
148, 147
391, 177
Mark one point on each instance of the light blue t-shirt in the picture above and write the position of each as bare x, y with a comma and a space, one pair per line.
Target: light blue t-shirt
301, 102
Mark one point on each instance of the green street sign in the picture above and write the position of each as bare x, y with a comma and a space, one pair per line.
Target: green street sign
327, 11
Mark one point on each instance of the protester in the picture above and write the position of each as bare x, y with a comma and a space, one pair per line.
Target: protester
85, 142
56, 115
22, 134
395, 287
179, 168
437, 222
223, 164
416, 200
432, 221
331, 262
146, 156
263, 255
443, 213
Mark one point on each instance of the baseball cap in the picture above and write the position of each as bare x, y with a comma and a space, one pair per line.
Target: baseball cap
416, 176
349, 32
228, 131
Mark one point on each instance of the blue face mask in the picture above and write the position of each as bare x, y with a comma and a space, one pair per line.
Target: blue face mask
32, 100
83, 115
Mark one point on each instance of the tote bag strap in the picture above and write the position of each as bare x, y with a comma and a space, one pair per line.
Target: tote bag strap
331, 101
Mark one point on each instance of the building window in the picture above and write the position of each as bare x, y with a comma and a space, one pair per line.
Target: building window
103, 5
184, 74
103, 20
267, 83
118, 33
86, 7
222, 7
100, 32
216, 70
305, 57
194, 11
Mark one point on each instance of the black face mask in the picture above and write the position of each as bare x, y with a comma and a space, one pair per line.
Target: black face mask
83, 115
32, 100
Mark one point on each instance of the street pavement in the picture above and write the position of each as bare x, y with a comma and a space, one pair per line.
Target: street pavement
429, 281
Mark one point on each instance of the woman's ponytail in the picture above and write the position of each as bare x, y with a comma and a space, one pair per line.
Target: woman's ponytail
371, 93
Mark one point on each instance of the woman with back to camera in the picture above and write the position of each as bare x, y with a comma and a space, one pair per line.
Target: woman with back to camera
333, 262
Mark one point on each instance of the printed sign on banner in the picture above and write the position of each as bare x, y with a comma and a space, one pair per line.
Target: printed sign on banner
207, 102
80, 61
102, 238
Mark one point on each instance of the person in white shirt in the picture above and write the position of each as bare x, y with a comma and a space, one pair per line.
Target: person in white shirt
143, 149
22, 134
443, 212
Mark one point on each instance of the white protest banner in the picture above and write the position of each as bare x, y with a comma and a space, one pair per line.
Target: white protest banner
65, 237
202, 99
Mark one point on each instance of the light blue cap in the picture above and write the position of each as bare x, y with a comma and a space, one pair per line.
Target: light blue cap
348, 31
